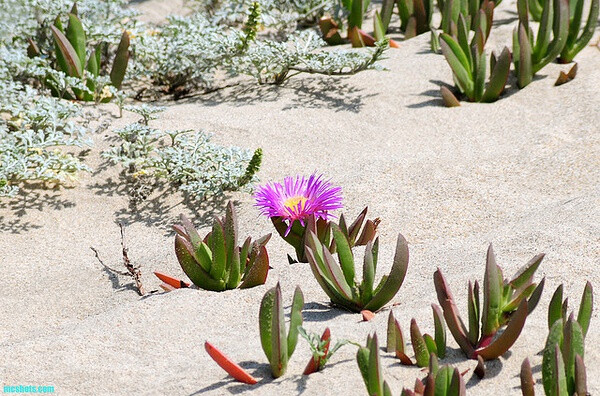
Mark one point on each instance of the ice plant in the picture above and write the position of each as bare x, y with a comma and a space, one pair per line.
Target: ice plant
298, 198
339, 280
278, 344
530, 57
505, 303
576, 42
370, 368
71, 51
302, 203
423, 345
440, 381
563, 368
216, 262
321, 349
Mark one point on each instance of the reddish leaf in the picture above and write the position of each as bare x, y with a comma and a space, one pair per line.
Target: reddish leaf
226, 364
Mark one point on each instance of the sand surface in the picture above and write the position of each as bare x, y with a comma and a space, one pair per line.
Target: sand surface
523, 173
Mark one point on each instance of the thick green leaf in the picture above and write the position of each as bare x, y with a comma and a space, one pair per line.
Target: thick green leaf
295, 320
356, 16
453, 320
117, 73
555, 307
375, 375
440, 330
443, 379
258, 271
457, 385
580, 377
76, 36
492, 296
533, 300
345, 255
419, 345
279, 345
379, 30
68, 53
200, 277
473, 313
368, 275
235, 272
586, 307
458, 62
387, 8
498, 78
265, 319
391, 333
503, 343
549, 367
523, 62
219, 256
362, 358
395, 278
573, 345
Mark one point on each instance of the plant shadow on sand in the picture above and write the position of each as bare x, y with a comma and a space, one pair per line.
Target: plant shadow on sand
314, 92
159, 208
31, 197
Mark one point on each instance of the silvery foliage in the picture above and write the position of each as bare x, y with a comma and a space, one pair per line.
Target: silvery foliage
281, 15
271, 61
187, 53
103, 20
186, 158
35, 129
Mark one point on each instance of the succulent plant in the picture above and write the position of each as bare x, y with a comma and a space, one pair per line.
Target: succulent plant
440, 381
338, 280
321, 349
415, 16
576, 42
471, 10
563, 368
216, 262
359, 233
423, 345
505, 303
370, 368
529, 58
278, 344
468, 64
70, 52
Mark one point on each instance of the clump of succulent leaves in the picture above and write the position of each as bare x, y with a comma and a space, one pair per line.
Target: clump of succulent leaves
369, 364
415, 15
505, 303
187, 159
71, 58
338, 277
563, 368
359, 233
579, 36
217, 262
529, 57
424, 345
442, 381
468, 62
277, 343
321, 349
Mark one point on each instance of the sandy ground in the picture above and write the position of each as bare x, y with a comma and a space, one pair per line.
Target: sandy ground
522, 173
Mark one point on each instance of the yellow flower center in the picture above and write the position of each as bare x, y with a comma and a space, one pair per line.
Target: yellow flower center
292, 202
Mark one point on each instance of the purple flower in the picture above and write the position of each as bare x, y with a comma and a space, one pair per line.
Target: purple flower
297, 199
